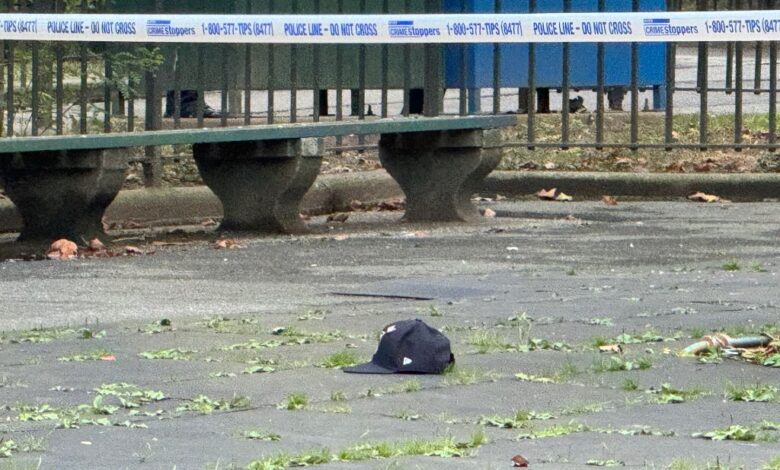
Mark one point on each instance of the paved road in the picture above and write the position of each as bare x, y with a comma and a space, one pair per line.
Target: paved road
567, 275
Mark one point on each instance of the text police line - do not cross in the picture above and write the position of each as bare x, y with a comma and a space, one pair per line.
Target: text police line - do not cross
745, 26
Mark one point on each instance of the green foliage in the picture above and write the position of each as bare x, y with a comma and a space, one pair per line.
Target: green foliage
519, 419
751, 393
629, 385
204, 405
260, 435
174, 354
616, 363
294, 401
731, 265
556, 430
129, 395
94, 355
668, 395
340, 360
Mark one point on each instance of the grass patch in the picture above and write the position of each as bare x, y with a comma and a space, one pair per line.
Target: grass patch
446, 447
731, 265
668, 395
174, 354
629, 385
455, 375
556, 430
260, 435
93, 355
340, 360
764, 431
518, 420
773, 464
617, 364
488, 341
220, 324
129, 395
204, 405
752, 393
338, 395
294, 401
605, 463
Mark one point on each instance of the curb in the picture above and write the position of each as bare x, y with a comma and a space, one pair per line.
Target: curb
333, 193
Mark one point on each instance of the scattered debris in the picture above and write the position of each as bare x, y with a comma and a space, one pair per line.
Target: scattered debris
227, 243
96, 245
609, 200
133, 250
553, 195
208, 222
763, 349
489, 213
703, 197
611, 348
520, 461
63, 250
342, 217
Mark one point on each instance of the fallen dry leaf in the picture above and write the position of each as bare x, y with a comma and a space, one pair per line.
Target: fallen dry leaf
609, 200
304, 217
703, 197
519, 461
208, 222
104, 223
133, 250
226, 243
338, 217
396, 204
131, 224
341, 237
63, 250
563, 197
96, 245
489, 213
547, 195
550, 166
611, 348
108, 358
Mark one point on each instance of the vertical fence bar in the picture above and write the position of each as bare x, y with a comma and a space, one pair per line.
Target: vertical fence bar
703, 88
757, 72
200, 108
464, 60
339, 79
34, 89
738, 94
59, 90
362, 81
108, 78
176, 91
385, 66
497, 67
407, 66
600, 50
270, 61
730, 57
316, 76
671, 63
131, 105
152, 164
531, 121
248, 81
773, 89
634, 87
432, 73
83, 64
294, 73
225, 85
565, 85
10, 80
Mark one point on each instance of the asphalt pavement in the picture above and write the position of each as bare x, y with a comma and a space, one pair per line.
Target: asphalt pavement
189, 357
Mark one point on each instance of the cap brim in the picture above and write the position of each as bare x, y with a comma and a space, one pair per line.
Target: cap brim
367, 368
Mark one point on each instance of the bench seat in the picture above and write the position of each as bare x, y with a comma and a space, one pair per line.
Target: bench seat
63, 184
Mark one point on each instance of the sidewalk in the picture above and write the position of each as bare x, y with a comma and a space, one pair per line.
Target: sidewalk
334, 193
525, 299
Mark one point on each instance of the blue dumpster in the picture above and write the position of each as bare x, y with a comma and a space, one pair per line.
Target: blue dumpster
549, 62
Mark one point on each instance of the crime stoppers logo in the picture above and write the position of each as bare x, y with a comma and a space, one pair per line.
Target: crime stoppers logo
406, 29
664, 27
165, 28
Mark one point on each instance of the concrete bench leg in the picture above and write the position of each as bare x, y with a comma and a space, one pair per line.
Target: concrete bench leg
63, 194
261, 184
439, 171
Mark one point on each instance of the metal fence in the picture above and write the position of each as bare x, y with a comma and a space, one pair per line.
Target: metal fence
61, 88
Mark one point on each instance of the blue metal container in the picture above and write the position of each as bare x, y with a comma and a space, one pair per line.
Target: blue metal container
549, 62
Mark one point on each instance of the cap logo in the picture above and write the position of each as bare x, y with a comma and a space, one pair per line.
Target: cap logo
390, 329
407, 361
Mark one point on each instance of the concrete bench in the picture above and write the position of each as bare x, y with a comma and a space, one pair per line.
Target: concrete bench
62, 185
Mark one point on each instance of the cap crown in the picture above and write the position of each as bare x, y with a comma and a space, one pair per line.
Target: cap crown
412, 346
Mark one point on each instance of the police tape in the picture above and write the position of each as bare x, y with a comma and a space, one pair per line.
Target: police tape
742, 26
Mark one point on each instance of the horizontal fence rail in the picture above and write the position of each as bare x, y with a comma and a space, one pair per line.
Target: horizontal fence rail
649, 77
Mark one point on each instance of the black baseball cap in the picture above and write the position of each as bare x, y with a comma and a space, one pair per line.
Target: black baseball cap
408, 347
